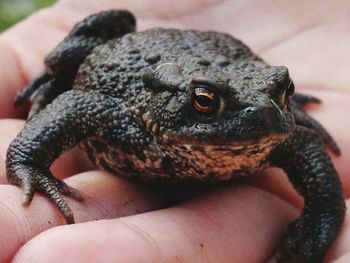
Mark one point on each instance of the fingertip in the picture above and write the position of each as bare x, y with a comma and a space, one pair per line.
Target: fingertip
22, 51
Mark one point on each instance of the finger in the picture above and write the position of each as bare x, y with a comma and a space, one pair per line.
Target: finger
232, 224
344, 259
106, 196
22, 53
72, 162
24, 46
275, 181
305, 50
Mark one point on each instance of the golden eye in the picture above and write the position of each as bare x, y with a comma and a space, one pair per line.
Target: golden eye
205, 101
290, 89
282, 98
286, 94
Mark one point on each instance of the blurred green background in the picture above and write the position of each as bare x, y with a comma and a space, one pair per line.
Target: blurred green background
12, 11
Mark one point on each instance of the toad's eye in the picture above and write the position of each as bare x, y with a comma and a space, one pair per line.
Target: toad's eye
205, 101
287, 93
290, 89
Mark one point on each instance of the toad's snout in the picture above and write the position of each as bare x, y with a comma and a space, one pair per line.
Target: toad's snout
270, 118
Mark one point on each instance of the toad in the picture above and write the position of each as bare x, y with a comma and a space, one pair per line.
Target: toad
173, 105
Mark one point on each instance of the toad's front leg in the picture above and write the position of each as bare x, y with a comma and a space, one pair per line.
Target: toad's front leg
312, 173
72, 117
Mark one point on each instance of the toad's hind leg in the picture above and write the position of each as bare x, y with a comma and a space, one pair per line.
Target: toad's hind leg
63, 62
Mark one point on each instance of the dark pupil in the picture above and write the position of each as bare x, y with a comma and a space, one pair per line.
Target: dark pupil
205, 101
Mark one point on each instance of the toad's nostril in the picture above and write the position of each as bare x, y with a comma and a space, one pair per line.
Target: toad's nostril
250, 112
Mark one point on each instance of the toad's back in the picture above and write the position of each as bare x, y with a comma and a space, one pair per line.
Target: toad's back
120, 60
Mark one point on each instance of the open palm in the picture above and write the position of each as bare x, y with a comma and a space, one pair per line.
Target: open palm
236, 222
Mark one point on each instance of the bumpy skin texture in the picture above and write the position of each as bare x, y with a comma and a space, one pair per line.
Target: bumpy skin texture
167, 104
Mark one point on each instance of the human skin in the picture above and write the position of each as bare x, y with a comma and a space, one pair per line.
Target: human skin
243, 221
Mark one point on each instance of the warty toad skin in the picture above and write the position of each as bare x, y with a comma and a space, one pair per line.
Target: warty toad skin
168, 104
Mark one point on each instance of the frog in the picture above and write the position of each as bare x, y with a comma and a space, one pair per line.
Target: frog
175, 105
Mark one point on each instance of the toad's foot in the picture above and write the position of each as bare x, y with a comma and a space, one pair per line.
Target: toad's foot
33, 179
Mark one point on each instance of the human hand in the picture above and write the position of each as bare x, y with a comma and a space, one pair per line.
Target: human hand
239, 222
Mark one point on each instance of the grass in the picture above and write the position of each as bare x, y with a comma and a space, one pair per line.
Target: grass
12, 11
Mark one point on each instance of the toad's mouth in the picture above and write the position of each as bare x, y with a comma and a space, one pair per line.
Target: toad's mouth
270, 141
224, 137
218, 144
